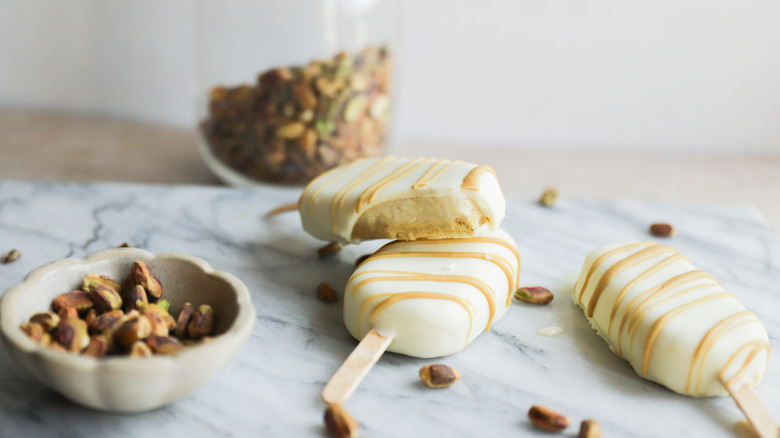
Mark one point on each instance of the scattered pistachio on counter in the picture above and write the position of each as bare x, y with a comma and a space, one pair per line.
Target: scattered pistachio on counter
662, 230
589, 429
339, 423
534, 295
438, 375
549, 197
547, 419
129, 319
328, 250
326, 293
10, 256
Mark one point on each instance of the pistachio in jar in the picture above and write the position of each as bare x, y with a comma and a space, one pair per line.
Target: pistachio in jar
298, 122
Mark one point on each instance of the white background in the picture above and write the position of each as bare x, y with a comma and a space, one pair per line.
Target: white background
666, 75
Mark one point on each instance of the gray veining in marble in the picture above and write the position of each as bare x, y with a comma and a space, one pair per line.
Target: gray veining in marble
272, 388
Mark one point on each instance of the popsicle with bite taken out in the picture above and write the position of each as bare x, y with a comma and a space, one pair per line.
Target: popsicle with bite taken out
402, 198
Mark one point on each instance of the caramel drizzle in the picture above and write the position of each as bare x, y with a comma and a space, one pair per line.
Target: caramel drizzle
758, 345
471, 181
658, 266
368, 195
478, 284
658, 325
441, 171
638, 308
338, 200
628, 262
634, 322
632, 313
499, 261
706, 344
376, 271
470, 309
425, 180
598, 261
363, 308
478, 239
468, 306
316, 192
396, 297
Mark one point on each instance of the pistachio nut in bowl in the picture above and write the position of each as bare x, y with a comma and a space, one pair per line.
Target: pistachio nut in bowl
124, 383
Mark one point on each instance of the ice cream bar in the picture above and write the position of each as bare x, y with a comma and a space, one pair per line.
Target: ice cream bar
673, 323
402, 198
433, 296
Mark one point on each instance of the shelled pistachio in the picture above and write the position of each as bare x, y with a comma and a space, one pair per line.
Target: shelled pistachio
106, 318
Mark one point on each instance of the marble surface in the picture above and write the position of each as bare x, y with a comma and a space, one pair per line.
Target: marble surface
272, 387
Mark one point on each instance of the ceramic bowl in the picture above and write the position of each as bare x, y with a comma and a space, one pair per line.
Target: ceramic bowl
123, 384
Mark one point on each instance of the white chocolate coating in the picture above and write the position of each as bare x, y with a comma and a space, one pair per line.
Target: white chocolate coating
433, 296
673, 323
445, 199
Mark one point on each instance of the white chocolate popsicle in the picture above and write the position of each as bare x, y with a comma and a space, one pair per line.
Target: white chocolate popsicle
433, 297
402, 198
673, 323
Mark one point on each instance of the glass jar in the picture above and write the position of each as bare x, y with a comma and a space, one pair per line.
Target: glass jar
289, 89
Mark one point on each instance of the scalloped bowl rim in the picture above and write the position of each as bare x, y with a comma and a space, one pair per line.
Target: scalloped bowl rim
241, 326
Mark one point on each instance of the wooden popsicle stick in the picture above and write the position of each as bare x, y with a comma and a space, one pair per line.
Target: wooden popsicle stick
745, 430
755, 411
293, 206
347, 378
